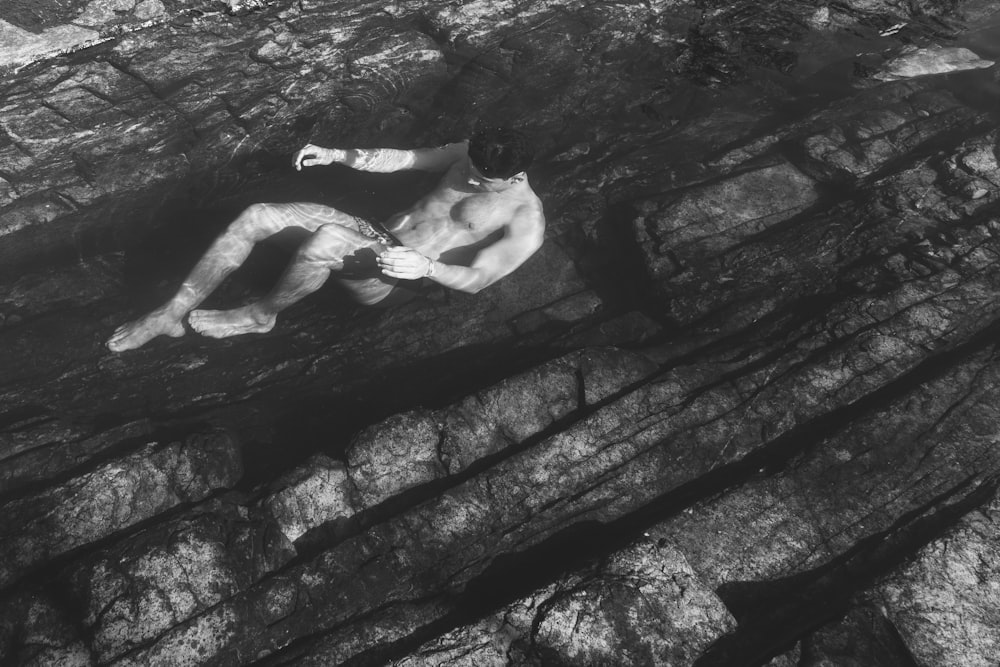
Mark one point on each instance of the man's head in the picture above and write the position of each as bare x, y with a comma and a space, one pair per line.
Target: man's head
499, 152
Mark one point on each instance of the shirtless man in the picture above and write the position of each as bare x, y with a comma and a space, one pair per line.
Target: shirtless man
480, 223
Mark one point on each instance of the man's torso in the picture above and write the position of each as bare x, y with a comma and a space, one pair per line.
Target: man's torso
458, 215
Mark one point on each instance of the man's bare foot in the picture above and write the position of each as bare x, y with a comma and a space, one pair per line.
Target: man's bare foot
139, 332
225, 323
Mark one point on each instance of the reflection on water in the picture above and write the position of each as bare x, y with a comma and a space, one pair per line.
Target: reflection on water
834, 65
984, 39
979, 89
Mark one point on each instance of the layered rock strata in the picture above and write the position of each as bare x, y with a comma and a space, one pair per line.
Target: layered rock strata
740, 409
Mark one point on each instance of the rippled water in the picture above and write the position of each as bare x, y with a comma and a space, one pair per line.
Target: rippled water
980, 88
836, 67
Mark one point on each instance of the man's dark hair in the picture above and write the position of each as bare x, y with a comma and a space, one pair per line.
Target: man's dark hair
500, 152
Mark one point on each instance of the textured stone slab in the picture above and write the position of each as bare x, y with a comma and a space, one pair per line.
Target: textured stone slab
646, 607
862, 637
113, 496
946, 602
30, 31
713, 218
908, 212
642, 606
859, 146
49, 447
414, 448
136, 590
626, 453
37, 631
850, 486
314, 493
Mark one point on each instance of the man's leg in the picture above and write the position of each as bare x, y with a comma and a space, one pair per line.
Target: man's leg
229, 251
331, 248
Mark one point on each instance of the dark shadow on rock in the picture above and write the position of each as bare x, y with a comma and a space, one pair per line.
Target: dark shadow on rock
507, 578
796, 606
863, 636
609, 260
326, 423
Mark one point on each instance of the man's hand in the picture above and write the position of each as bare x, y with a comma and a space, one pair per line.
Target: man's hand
311, 155
405, 263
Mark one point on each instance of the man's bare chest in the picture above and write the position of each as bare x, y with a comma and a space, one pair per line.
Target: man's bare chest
480, 212
477, 214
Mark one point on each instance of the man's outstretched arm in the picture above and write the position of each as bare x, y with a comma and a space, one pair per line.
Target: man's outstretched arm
383, 160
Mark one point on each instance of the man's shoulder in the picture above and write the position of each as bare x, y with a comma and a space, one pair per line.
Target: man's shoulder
528, 221
530, 206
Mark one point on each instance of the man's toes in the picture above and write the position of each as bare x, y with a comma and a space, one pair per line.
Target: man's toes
121, 344
136, 334
201, 320
118, 338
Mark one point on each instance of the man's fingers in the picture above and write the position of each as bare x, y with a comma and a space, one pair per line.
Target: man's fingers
397, 263
305, 157
400, 263
397, 272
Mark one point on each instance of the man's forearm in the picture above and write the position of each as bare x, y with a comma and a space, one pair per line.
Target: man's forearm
461, 278
381, 160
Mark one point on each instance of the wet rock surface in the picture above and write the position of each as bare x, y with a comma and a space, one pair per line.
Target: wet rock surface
643, 605
944, 602
741, 408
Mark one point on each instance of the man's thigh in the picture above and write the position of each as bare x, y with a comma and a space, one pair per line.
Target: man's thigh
290, 225
307, 216
361, 275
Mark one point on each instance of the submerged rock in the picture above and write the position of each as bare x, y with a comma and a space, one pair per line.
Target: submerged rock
931, 60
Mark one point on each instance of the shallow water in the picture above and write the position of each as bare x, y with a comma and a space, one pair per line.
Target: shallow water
984, 39
980, 89
849, 58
